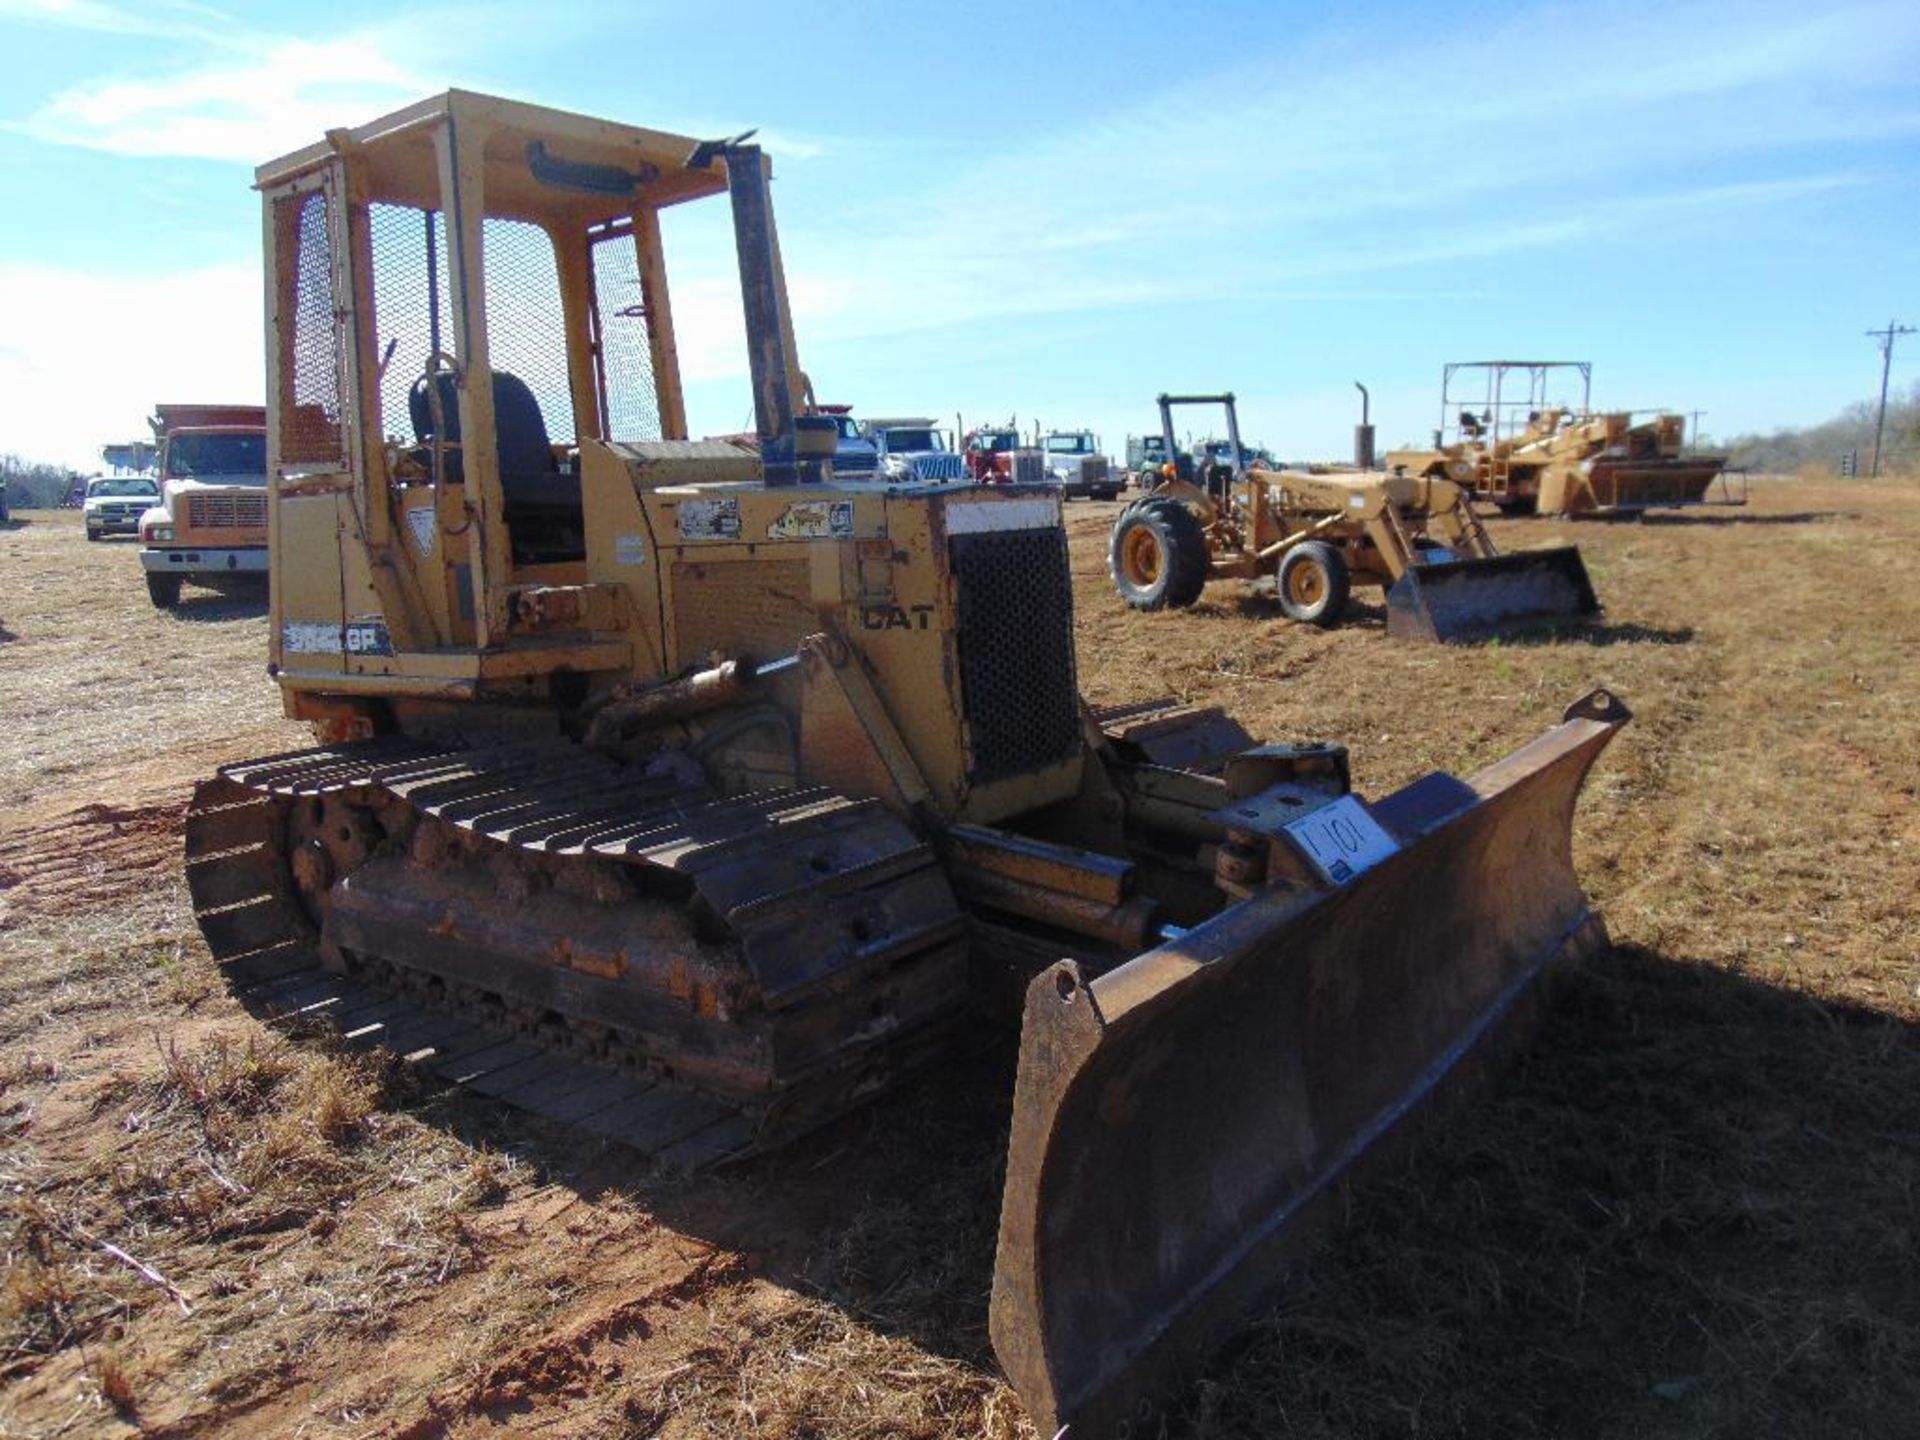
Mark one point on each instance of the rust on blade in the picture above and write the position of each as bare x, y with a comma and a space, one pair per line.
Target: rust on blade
1180, 1121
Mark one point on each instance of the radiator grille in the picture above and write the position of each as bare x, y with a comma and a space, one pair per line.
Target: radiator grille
1015, 638
227, 512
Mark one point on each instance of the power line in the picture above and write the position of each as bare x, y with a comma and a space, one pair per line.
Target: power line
1886, 338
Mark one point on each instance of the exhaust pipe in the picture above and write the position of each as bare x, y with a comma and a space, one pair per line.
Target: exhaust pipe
1363, 432
764, 299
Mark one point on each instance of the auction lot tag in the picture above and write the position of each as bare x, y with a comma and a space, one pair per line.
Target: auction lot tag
1341, 839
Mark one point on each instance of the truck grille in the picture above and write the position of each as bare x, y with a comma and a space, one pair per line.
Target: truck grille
1029, 468
938, 467
227, 512
1018, 689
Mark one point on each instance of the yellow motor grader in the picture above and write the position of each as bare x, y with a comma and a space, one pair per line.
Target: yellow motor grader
692, 794
1315, 533
1521, 449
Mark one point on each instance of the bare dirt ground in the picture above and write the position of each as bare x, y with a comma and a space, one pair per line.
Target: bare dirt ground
1689, 1209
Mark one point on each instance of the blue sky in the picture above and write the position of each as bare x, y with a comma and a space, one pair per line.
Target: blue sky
1052, 210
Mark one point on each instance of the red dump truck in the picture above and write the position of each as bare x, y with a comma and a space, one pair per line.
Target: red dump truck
210, 526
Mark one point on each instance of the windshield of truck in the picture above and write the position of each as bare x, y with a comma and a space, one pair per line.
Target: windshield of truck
848, 427
901, 441
1069, 444
237, 459
998, 441
122, 485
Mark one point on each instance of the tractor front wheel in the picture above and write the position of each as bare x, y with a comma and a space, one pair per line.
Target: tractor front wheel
1313, 584
1158, 556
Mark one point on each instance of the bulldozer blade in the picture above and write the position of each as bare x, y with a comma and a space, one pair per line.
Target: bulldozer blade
1461, 599
1184, 1123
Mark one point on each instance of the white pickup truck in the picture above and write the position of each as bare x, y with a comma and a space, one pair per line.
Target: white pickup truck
113, 504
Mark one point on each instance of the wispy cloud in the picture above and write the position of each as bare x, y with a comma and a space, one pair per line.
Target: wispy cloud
1371, 159
227, 89
170, 19
276, 96
1373, 152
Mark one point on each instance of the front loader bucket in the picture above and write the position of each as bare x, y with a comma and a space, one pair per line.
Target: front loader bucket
1461, 599
1181, 1122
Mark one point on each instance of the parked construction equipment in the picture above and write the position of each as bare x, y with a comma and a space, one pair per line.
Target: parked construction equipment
687, 796
1527, 445
1316, 533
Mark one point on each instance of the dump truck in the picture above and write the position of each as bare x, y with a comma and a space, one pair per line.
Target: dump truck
1314, 534
1529, 448
210, 526
691, 797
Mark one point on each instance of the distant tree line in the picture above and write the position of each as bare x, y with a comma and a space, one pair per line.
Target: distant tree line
32, 485
1822, 446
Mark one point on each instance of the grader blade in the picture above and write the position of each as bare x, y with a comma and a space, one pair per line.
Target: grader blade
1182, 1123
1462, 599
1624, 486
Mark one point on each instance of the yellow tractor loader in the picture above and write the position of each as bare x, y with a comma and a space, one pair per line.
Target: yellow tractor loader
1315, 533
692, 795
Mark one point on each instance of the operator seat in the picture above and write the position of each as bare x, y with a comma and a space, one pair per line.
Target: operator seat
544, 519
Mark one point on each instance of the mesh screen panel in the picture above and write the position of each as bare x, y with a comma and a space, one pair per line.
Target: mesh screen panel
626, 349
760, 608
410, 304
526, 322
1015, 635
309, 401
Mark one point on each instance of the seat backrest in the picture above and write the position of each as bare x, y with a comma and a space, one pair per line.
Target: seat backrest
520, 428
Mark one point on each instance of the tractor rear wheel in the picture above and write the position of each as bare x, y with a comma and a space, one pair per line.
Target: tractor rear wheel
1314, 584
1158, 555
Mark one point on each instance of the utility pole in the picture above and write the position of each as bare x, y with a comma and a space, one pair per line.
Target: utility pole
1693, 435
1886, 338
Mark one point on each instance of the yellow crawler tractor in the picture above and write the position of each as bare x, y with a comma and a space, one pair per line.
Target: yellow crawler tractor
691, 795
1316, 533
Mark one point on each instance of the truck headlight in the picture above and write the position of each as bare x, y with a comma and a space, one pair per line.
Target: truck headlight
158, 533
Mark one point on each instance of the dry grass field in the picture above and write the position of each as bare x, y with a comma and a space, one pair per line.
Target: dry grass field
1689, 1209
